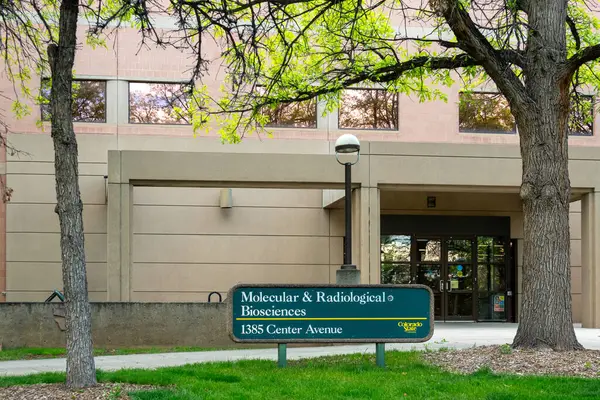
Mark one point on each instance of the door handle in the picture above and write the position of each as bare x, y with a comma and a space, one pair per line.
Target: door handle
449, 286
441, 285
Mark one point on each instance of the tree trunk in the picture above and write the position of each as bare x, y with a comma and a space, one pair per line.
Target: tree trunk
546, 318
546, 315
81, 370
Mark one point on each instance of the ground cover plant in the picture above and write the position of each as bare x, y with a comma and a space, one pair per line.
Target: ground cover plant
407, 375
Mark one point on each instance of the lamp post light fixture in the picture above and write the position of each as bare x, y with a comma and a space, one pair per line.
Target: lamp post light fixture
348, 144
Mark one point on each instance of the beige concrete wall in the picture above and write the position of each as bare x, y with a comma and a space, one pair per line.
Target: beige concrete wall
32, 231
185, 245
119, 325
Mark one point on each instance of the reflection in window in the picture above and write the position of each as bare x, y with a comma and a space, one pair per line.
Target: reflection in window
491, 278
89, 100
429, 250
293, 115
368, 109
459, 250
581, 117
490, 249
159, 103
395, 248
462, 274
485, 112
396, 274
429, 275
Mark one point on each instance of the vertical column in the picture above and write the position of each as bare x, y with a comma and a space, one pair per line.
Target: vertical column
374, 236
126, 240
360, 232
2, 224
119, 241
590, 254
119, 234
365, 233
112, 106
113, 242
121, 90
3, 285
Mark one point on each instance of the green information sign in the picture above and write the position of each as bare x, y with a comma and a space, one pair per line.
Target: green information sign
331, 313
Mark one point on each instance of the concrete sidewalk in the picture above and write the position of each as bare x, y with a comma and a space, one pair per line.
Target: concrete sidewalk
451, 335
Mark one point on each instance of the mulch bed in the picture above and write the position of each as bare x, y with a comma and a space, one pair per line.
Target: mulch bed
109, 391
503, 359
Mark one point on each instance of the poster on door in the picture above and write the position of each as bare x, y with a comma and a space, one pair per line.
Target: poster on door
499, 303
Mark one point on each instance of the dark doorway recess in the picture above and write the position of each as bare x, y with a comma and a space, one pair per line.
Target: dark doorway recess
468, 262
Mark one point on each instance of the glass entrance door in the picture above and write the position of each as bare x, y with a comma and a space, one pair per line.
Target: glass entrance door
458, 268
446, 266
468, 262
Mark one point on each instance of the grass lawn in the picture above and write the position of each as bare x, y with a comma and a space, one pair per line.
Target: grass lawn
340, 377
29, 353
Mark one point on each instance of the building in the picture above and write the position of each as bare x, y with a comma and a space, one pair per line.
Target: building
171, 217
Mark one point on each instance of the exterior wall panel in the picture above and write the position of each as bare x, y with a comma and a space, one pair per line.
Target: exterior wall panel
183, 252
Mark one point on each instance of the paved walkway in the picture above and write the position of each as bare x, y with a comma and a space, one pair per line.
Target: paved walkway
452, 335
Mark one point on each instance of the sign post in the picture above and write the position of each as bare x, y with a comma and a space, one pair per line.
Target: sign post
281, 355
330, 314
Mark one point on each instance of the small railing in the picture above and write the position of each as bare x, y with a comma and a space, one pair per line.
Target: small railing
55, 293
218, 294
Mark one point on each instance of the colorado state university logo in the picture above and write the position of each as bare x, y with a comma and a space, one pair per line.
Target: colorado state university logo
410, 327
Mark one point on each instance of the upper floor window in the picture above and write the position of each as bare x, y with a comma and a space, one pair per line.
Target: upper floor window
159, 103
485, 112
89, 100
368, 109
301, 114
581, 117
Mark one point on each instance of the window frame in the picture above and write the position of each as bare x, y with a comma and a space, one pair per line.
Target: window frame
129, 82
514, 131
105, 81
397, 103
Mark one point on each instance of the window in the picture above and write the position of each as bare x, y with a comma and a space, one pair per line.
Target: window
581, 117
368, 109
89, 100
395, 259
302, 114
485, 112
159, 103
293, 115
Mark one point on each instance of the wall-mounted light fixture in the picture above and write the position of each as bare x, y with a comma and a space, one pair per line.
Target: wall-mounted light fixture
226, 199
431, 201
105, 189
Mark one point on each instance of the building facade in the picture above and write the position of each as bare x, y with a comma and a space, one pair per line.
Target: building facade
170, 217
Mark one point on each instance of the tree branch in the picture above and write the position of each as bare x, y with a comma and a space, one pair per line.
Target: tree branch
472, 41
574, 32
379, 75
583, 56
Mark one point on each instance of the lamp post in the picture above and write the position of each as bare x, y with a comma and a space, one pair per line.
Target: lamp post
348, 144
